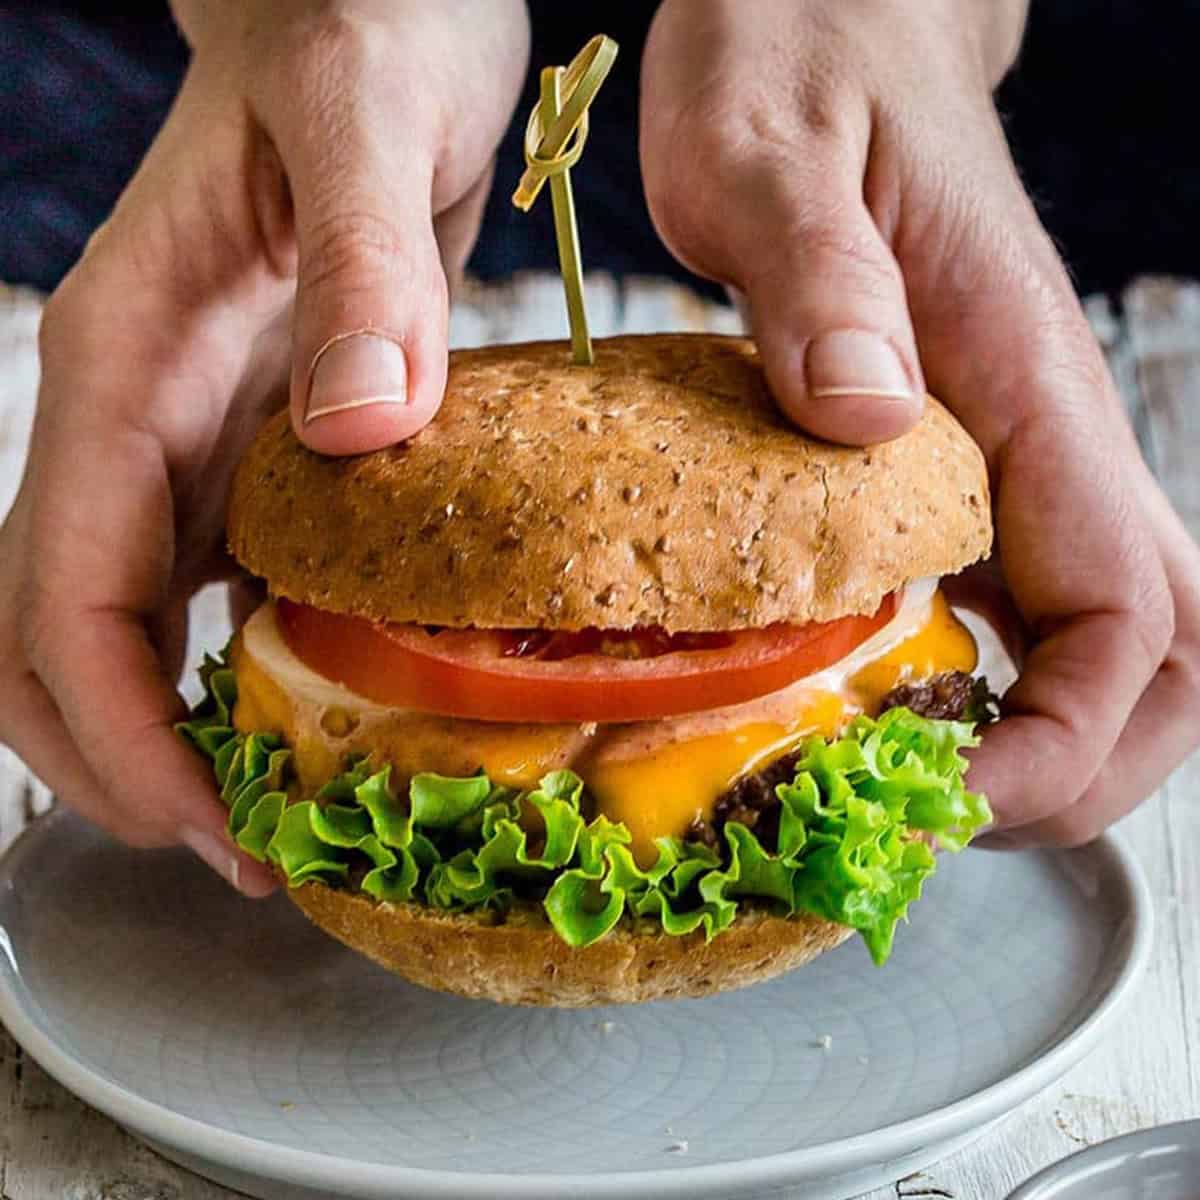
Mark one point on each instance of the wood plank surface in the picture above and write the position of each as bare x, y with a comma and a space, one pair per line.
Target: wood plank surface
53, 1146
1147, 1072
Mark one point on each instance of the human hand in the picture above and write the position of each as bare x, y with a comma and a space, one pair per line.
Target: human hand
843, 167
334, 154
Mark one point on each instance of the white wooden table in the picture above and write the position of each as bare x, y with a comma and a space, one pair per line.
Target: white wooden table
52, 1146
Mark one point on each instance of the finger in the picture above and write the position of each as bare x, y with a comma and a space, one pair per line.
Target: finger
171, 290
33, 726
783, 221
30, 722
35, 730
150, 789
101, 517
1010, 349
1164, 727
369, 341
832, 326
1094, 594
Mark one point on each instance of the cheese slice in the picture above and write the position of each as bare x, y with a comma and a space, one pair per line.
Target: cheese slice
665, 792
656, 776
943, 643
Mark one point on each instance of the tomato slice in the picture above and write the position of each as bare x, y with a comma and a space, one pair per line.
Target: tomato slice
494, 675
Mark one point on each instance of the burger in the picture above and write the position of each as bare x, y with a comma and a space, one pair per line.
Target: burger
608, 686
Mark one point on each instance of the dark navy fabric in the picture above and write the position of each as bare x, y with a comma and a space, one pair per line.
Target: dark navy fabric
82, 93
1101, 114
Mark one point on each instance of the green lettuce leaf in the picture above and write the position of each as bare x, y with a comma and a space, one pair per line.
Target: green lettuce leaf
857, 828
582, 903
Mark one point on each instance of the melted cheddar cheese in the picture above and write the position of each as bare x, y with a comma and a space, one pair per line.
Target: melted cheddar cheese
657, 777
665, 792
943, 643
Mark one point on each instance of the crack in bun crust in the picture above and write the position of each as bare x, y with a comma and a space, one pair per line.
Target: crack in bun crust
523, 961
657, 487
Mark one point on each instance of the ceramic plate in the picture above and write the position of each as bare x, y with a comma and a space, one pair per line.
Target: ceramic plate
243, 1043
1162, 1163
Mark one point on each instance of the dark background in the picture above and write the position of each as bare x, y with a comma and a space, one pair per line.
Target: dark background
1101, 113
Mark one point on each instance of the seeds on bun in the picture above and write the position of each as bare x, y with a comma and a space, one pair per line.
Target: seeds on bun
658, 488
607, 686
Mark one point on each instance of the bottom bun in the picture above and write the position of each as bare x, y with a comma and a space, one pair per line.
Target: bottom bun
523, 961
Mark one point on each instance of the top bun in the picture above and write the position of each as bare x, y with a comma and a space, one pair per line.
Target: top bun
658, 487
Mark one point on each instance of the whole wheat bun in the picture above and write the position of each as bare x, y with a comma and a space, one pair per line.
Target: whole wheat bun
658, 487
523, 961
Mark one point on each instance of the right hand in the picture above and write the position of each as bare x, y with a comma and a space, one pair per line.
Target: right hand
843, 166
337, 155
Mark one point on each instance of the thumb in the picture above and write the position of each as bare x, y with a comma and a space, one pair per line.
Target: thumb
829, 312
369, 339
787, 227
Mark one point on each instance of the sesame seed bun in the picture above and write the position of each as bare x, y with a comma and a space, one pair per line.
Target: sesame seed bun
658, 487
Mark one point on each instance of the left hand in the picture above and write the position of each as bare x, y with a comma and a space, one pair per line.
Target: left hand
297, 221
843, 167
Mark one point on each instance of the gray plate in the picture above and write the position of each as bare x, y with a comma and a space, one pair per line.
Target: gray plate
1162, 1163
243, 1043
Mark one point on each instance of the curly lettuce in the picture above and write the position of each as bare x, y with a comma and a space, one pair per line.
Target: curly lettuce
857, 829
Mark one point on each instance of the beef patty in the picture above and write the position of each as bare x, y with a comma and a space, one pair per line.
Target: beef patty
950, 696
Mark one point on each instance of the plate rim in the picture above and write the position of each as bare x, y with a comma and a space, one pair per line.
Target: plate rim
1067, 1170
335, 1174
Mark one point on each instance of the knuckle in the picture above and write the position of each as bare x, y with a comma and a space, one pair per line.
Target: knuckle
1057, 345
747, 147
828, 268
1183, 661
355, 249
818, 106
847, 254
1153, 620
814, 115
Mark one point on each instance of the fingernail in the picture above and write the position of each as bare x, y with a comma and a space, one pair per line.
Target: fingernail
852, 362
356, 370
215, 851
